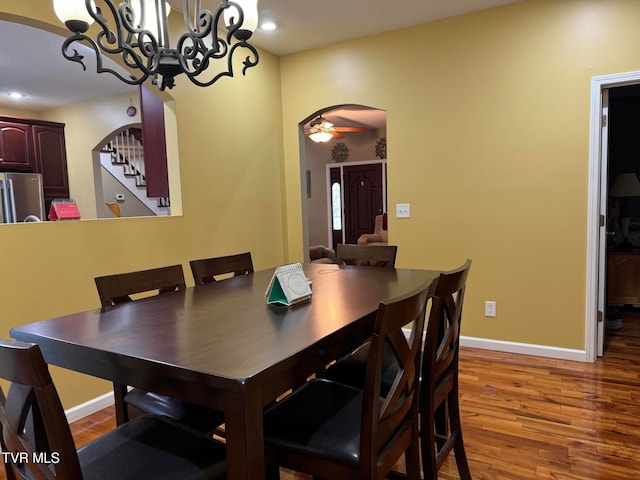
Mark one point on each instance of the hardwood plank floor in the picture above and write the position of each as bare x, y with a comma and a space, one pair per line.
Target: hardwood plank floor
528, 417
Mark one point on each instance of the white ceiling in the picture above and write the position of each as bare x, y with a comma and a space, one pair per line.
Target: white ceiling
302, 25
306, 24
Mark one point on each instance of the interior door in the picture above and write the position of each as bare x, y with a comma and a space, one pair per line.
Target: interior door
363, 199
602, 236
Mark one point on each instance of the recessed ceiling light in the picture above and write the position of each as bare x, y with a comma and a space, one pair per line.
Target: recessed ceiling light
16, 95
268, 25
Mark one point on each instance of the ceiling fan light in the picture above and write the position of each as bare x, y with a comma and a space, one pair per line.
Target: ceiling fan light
250, 22
321, 130
74, 14
321, 136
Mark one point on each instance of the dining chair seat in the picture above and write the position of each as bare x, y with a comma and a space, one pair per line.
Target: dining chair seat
190, 414
34, 426
153, 447
322, 419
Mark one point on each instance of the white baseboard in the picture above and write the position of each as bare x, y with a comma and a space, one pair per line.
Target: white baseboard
525, 349
96, 404
87, 408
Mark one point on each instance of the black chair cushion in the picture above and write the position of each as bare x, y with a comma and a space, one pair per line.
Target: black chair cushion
195, 416
351, 369
153, 447
321, 419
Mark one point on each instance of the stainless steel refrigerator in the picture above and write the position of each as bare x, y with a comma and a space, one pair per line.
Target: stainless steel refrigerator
21, 198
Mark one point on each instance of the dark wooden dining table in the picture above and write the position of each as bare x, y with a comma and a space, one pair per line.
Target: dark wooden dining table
221, 344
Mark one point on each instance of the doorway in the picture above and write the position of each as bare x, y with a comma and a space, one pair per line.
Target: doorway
604, 220
360, 132
357, 193
623, 220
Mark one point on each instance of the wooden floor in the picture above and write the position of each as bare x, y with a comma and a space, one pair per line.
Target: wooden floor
533, 418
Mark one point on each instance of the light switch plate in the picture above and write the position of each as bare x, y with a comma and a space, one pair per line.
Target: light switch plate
403, 210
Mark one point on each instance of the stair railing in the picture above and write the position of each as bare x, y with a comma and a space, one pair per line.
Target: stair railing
126, 149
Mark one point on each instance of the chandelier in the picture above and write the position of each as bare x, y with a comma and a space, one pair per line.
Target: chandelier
137, 32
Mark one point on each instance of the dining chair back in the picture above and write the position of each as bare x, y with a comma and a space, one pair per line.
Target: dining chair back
36, 440
440, 423
118, 288
367, 255
32, 417
331, 430
206, 270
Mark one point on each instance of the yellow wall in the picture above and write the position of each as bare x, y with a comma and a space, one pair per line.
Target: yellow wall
230, 149
488, 139
17, 112
488, 134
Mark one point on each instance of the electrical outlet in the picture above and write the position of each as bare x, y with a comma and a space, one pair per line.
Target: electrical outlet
403, 210
489, 309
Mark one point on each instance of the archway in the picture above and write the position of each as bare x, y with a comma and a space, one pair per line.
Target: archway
361, 134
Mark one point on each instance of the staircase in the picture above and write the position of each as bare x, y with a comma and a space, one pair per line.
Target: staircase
123, 157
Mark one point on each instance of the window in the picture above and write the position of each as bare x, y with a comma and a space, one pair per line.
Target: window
336, 206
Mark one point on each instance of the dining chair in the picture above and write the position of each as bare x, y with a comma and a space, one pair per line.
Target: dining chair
335, 431
367, 255
440, 425
206, 270
36, 440
440, 422
119, 288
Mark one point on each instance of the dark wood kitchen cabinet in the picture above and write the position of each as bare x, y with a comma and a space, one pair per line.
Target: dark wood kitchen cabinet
37, 146
51, 160
15, 146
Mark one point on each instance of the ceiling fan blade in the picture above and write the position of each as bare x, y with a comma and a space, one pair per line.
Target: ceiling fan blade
351, 129
337, 134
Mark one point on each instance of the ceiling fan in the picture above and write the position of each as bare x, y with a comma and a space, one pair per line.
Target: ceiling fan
321, 130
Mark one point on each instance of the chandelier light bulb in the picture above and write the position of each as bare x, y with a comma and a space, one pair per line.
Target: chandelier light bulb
151, 10
250, 21
74, 14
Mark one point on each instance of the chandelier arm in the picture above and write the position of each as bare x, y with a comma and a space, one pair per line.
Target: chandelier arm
194, 54
248, 63
235, 26
197, 53
72, 54
115, 43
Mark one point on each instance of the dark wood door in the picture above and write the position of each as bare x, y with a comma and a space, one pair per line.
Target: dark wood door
363, 199
15, 146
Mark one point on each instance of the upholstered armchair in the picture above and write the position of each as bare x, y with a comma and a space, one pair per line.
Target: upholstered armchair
380, 235
322, 254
